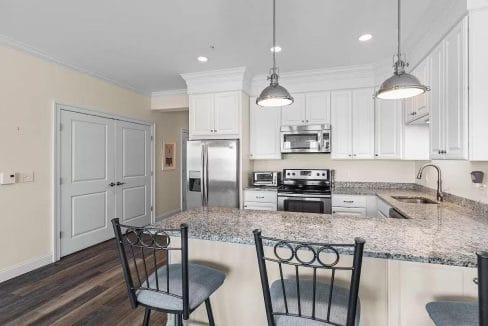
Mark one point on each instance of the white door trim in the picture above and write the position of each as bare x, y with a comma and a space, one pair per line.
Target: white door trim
56, 166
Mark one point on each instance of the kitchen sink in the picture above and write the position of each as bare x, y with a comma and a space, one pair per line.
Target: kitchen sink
414, 200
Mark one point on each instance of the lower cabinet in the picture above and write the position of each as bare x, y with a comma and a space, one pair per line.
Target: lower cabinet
261, 199
354, 205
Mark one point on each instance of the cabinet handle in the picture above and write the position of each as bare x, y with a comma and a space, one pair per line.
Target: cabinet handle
353, 154
348, 201
350, 155
376, 155
120, 183
111, 184
412, 113
475, 280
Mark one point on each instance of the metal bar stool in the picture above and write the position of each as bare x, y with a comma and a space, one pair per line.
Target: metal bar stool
298, 300
455, 313
154, 283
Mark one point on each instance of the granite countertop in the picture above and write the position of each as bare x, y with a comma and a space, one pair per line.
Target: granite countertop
442, 234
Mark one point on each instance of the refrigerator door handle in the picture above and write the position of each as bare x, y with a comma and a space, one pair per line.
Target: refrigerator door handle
206, 175
203, 176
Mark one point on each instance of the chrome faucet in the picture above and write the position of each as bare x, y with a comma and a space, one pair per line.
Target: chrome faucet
440, 195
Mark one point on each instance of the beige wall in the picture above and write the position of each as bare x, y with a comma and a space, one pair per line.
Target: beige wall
346, 170
456, 178
168, 185
28, 88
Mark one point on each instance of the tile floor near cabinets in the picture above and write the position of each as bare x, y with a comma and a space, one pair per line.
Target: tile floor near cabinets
85, 288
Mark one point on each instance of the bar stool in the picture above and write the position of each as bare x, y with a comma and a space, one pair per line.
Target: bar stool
455, 313
154, 283
296, 300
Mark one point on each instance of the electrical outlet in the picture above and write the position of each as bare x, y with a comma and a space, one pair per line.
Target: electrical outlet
7, 178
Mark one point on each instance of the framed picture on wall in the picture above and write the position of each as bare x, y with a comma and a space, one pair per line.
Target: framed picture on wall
169, 156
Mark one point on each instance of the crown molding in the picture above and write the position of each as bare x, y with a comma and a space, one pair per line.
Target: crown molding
170, 92
321, 79
232, 79
9, 42
477, 4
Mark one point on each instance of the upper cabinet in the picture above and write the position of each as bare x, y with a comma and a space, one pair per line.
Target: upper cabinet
352, 124
388, 129
449, 96
418, 107
309, 108
215, 115
264, 132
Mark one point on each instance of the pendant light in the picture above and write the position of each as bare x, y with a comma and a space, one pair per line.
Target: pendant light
401, 85
274, 94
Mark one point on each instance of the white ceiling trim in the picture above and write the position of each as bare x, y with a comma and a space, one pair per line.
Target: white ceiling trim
7, 41
170, 92
221, 80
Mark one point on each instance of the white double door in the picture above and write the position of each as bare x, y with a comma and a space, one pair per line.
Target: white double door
105, 167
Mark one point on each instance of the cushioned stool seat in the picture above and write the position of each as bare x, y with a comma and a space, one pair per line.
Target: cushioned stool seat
203, 281
338, 311
453, 313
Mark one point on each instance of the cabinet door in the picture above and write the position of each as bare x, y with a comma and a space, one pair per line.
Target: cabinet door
437, 101
227, 113
201, 115
422, 101
317, 107
363, 124
341, 124
294, 114
264, 132
409, 109
388, 129
456, 106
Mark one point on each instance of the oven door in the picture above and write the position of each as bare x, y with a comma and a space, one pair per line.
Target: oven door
305, 203
301, 141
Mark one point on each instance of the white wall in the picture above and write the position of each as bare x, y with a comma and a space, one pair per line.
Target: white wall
456, 178
28, 87
346, 170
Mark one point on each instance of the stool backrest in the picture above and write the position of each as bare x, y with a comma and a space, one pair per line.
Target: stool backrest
315, 263
483, 287
144, 251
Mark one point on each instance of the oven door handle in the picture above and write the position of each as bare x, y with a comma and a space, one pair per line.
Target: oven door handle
305, 197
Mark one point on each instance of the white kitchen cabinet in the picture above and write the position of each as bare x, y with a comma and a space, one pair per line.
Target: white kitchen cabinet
341, 124
418, 107
363, 124
352, 124
354, 205
294, 114
201, 114
449, 101
264, 132
307, 109
261, 199
317, 108
227, 113
388, 129
215, 115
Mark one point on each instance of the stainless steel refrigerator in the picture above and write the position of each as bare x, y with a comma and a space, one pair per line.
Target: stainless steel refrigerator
212, 178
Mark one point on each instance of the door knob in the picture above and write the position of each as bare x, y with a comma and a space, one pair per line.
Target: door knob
119, 183
111, 184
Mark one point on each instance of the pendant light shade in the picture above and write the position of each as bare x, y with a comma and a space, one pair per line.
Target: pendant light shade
401, 85
274, 94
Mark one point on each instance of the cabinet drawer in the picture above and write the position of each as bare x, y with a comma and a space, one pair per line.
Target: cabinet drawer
260, 206
348, 201
356, 211
262, 196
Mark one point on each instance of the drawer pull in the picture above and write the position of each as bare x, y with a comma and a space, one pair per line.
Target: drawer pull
348, 201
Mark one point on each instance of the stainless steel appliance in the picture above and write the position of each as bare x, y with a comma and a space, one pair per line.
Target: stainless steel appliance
266, 178
306, 191
305, 139
212, 173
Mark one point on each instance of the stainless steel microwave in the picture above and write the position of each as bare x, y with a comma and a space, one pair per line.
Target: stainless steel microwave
305, 139
266, 178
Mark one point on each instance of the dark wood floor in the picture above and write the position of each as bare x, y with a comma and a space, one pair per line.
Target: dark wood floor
85, 288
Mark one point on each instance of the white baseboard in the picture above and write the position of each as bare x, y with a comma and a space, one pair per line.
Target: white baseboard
24, 267
167, 214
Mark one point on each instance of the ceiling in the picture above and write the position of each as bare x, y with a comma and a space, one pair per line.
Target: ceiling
144, 45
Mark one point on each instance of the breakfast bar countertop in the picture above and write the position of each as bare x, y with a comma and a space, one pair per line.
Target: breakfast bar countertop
441, 234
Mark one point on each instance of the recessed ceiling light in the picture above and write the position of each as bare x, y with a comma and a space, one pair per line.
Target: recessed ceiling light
275, 49
202, 59
365, 37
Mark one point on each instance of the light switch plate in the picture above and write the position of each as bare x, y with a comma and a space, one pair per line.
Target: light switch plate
7, 178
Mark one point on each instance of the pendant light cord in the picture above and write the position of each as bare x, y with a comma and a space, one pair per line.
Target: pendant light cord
274, 36
399, 28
